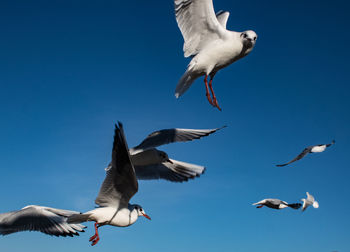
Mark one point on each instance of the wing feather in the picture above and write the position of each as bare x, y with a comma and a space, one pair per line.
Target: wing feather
120, 183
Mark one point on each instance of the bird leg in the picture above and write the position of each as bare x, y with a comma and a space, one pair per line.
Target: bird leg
215, 102
207, 90
260, 206
95, 238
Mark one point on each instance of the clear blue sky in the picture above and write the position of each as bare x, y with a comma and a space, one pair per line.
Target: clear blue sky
70, 69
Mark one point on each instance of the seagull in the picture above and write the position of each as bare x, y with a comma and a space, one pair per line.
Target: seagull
47, 220
276, 204
310, 149
208, 42
119, 186
309, 201
151, 163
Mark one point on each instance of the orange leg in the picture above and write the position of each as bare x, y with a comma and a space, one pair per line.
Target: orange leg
207, 90
215, 102
95, 238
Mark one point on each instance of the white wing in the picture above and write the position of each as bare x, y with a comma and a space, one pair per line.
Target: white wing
47, 220
198, 24
176, 171
222, 17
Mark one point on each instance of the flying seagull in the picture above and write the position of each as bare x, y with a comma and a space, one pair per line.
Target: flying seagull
309, 201
208, 42
310, 149
47, 220
119, 186
151, 163
276, 204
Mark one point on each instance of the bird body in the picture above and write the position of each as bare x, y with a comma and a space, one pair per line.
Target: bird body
276, 204
212, 46
112, 216
151, 163
119, 186
311, 149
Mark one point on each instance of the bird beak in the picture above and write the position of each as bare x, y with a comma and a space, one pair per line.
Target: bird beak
145, 215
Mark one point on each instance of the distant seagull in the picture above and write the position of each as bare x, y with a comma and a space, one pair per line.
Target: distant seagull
276, 204
310, 149
151, 163
119, 186
208, 42
309, 201
47, 220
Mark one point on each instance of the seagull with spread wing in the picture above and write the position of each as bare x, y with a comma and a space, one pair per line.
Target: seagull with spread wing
276, 204
119, 186
48, 220
151, 163
207, 40
311, 149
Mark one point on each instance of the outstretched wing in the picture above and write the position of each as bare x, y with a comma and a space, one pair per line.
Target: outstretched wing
176, 171
198, 24
120, 183
50, 221
300, 156
167, 136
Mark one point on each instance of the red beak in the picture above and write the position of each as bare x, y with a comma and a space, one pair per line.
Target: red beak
145, 215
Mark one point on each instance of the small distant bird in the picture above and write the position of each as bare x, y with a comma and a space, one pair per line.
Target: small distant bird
276, 204
119, 186
47, 220
310, 149
208, 42
309, 201
151, 163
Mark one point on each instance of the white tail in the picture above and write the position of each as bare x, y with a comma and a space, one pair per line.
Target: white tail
185, 82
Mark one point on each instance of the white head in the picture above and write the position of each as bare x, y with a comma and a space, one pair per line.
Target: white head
141, 212
248, 39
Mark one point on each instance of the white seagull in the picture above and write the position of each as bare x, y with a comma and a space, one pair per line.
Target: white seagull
309, 201
47, 220
119, 186
310, 149
276, 204
208, 42
151, 163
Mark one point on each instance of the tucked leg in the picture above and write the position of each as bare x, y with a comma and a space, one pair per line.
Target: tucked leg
215, 102
95, 238
207, 90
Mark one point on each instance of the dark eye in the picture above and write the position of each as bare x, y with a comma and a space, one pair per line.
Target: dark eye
245, 35
141, 210
254, 38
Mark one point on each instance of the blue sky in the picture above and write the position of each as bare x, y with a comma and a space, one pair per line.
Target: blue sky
71, 69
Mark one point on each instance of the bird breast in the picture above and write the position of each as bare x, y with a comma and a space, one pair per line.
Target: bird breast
111, 216
217, 55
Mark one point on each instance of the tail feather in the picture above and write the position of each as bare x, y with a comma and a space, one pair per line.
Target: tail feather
185, 82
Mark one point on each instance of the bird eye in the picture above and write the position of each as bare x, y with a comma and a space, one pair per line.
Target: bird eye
254, 38
245, 35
